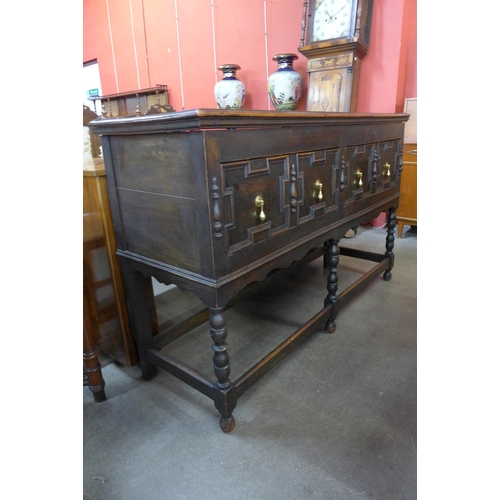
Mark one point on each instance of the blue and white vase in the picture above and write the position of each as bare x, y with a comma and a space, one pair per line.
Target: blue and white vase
285, 85
229, 92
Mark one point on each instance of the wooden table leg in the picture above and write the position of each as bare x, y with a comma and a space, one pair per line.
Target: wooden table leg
400, 228
389, 242
91, 352
224, 404
332, 261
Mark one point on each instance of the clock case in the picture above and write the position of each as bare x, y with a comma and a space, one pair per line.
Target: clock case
336, 59
358, 40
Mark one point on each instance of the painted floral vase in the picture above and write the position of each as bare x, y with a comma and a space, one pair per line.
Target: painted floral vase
229, 92
285, 85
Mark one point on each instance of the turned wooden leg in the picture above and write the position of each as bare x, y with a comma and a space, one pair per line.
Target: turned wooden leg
223, 402
332, 259
400, 228
91, 352
389, 243
93, 374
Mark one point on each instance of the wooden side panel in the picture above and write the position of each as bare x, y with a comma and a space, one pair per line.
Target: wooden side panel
103, 275
408, 203
154, 178
154, 163
160, 228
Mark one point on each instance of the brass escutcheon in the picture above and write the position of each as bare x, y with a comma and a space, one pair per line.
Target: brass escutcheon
387, 169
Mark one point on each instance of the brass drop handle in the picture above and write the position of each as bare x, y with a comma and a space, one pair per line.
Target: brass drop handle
259, 203
387, 169
319, 186
359, 178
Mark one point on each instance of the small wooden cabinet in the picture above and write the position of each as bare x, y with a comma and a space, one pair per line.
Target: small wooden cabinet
407, 211
110, 329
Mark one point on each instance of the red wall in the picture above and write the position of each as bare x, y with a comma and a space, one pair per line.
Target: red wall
141, 43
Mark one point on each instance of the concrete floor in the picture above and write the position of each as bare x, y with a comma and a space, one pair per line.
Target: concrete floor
336, 419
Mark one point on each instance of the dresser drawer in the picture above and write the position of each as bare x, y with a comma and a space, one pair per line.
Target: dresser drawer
271, 201
368, 169
264, 197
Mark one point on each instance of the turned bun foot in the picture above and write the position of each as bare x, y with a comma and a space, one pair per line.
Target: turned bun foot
330, 326
227, 423
387, 275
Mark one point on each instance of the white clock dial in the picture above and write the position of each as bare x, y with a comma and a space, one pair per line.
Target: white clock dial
332, 19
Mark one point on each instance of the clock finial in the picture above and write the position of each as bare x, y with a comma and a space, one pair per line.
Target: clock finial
303, 32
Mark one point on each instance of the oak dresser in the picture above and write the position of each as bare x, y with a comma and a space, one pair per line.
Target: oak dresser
218, 201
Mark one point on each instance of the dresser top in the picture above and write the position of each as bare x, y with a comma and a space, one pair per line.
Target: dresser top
206, 119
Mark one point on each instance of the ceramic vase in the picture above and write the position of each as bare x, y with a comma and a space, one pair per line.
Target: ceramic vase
285, 85
229, 92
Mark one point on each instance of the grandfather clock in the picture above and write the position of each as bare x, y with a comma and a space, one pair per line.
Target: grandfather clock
335, 37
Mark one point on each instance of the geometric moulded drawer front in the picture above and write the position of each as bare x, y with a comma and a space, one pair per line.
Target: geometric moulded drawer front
243, 182
370, 168
266, 197
357, 172
390, 161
